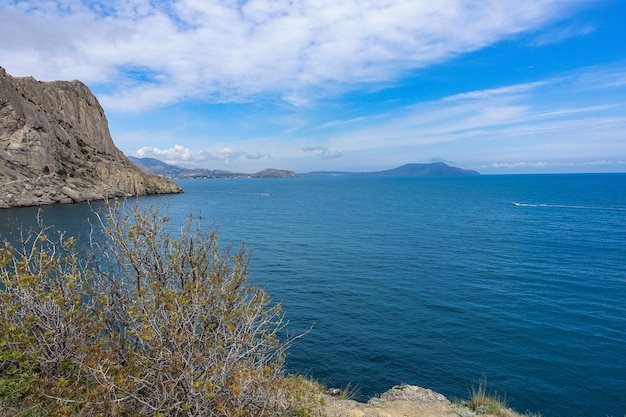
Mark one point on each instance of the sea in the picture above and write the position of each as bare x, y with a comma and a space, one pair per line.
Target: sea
441, 282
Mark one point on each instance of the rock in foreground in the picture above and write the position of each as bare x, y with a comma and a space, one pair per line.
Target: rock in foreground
400, 401
404, 401
55, 147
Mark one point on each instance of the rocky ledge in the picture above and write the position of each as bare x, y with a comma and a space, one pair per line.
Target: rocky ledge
403, 401
55, 147
400, 401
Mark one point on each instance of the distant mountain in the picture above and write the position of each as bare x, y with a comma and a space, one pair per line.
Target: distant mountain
156, 166
407, 170
273, 173
435, 168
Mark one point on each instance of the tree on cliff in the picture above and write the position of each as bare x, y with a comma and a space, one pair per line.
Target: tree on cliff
142, 324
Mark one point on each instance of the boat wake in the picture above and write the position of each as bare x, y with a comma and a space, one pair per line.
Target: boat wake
515, 203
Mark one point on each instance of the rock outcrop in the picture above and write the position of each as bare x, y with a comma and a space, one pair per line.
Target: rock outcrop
55, 147
400, 401
409, 401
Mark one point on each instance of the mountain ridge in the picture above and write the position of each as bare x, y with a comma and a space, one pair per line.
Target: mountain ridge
159, 167
412, 169
406, 170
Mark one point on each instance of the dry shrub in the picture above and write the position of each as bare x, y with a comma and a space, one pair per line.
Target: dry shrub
142, 324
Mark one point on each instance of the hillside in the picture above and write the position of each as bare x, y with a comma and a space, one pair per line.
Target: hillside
156, 166
407, 170
55, 147
435, 168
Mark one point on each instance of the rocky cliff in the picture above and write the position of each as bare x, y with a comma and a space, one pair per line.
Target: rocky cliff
55, 147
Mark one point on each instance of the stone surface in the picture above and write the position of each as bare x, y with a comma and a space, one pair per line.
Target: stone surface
55, 147
413, 393
400, 401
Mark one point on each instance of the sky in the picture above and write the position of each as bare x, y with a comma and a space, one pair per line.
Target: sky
498, 86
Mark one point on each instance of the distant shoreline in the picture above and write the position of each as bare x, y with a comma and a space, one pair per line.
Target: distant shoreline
155, 166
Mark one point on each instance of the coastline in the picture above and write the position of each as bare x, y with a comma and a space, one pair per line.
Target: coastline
409, 400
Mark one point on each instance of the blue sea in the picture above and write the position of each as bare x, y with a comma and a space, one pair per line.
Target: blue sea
433, 281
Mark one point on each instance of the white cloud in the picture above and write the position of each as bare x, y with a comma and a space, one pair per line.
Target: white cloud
232, 50
323, 152
184, 156
575, 114
560, 34
175, 153
334, 123
496, 92
227, 154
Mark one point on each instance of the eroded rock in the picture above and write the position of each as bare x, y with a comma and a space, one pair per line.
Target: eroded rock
400, 401
55, 147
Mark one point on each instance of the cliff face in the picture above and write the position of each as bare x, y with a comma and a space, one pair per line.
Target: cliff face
55, 147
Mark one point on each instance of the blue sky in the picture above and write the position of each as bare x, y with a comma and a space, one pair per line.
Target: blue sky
500, 86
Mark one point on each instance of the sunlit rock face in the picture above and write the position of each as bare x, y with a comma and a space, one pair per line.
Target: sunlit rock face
55, 147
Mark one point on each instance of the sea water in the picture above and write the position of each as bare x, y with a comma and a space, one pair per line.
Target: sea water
432, 281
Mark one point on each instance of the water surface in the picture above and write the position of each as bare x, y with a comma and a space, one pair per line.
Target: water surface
434, 281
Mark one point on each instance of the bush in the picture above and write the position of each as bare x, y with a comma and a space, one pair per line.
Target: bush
140, 324
480, 402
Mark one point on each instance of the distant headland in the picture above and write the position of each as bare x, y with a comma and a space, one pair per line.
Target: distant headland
155, 166
406, 170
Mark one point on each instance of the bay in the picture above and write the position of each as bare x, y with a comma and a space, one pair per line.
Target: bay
432, 281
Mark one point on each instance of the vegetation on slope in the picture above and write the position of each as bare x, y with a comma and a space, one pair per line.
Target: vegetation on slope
481, 402
140, 324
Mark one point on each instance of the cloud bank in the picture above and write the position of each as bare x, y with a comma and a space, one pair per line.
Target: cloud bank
181, 155
140, 54
574, 120
323, 152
